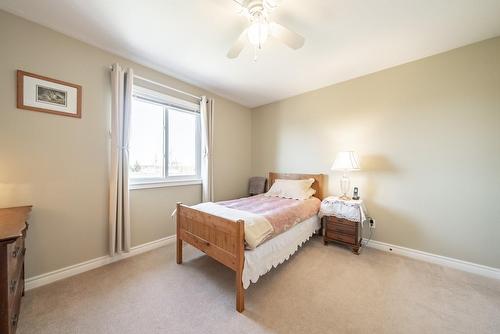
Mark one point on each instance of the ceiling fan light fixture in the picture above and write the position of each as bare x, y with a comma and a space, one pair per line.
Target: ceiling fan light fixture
258, 33
261, 27
258, 30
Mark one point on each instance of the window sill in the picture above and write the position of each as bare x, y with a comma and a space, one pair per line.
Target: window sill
149, 185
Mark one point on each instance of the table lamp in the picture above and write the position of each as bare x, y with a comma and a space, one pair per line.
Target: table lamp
345, 161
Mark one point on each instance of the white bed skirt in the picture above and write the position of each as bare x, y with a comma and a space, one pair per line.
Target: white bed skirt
271, 253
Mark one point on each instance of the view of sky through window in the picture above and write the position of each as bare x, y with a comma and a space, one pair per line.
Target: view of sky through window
181, 143
146, 140
150, 123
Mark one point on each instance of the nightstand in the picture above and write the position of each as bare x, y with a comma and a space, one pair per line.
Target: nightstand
342, 221
343, 231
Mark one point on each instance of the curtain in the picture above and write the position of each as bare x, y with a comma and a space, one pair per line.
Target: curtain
207, 128
119, 208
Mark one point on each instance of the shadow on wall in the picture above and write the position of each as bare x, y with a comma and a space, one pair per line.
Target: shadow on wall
395, 226
372, 167
377, 163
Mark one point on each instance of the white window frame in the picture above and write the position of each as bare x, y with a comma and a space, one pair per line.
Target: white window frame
169, 103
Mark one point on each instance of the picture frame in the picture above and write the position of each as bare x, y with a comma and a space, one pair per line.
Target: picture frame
39, 93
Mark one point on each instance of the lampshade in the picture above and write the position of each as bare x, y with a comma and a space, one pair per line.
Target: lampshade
346, 160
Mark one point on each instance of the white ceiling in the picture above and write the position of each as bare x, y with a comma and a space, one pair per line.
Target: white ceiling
189, 39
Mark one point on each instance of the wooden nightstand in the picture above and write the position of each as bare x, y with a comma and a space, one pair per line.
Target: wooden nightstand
343, 231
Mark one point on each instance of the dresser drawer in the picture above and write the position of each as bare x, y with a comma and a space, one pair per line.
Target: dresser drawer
13, 286
13, 228
15, 307
15, 258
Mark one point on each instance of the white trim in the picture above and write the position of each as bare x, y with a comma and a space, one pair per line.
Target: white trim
56, 275
163, 98
161, 184
167, 87
470, 267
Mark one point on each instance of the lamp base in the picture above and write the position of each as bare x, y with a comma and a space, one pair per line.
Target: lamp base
344, 187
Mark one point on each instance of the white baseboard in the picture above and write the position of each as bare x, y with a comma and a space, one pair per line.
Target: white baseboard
50, 277
437, 259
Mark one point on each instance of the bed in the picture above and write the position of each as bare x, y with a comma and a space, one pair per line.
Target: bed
223, 239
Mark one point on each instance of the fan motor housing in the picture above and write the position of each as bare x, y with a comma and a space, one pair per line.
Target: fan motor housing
254, 6
263, 6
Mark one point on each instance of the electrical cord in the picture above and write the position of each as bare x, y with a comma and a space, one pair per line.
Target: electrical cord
369, 237
369, 219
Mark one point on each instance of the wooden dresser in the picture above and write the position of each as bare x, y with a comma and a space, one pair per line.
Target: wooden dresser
13, 229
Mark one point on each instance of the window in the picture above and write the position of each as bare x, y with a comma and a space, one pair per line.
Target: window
164, 139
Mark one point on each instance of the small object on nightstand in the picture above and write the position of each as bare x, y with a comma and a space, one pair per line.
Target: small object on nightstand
355, 195
343, 221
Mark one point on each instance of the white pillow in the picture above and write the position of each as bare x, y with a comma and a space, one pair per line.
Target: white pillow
309, 194
295, 189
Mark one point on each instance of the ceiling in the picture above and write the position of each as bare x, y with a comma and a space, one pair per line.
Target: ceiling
189, 39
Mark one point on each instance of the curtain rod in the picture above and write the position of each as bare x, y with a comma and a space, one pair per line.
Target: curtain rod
165, 86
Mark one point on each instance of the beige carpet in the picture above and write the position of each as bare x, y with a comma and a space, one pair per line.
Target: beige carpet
319, 290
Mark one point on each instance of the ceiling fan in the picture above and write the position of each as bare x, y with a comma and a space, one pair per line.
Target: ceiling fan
261, 26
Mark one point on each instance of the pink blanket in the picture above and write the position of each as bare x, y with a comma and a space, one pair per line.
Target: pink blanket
282, 213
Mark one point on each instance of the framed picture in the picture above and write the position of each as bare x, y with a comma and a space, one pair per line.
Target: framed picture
39, 93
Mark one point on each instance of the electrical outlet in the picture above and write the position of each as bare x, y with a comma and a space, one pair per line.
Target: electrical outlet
372, 223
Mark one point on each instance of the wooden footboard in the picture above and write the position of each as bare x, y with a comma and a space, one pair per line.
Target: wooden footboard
219, 238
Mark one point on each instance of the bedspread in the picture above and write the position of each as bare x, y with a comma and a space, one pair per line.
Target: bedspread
282, 213
257, 227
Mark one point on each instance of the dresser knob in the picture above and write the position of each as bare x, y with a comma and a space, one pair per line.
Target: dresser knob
13, 285
16, 251
14, 320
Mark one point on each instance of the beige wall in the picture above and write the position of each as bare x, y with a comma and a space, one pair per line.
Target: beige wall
428, 134
59, 164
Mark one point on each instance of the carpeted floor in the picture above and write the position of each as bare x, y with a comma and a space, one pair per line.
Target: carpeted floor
319, 290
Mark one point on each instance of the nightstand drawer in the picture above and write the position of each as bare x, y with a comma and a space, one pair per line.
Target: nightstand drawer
337, 220
341, 228
347, 238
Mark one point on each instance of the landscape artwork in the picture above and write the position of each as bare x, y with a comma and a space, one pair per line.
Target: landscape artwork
39, 93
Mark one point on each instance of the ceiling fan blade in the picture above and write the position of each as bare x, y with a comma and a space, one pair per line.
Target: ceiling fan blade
238, 46
285, 35
271, 5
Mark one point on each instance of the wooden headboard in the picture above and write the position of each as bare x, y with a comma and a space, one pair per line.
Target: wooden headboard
317, 185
